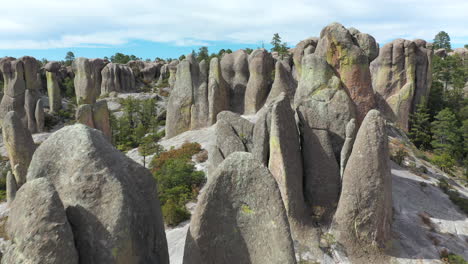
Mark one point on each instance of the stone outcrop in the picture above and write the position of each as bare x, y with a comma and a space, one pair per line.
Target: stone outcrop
304, 47
235, 71
96, 116
402, 77
364, 214
200, 108
218, 92
53, 88
240, 217
87, 79
172, 68
38, 227
110, 200
39, 115
21, 89
261, 67
351, 61
117, 78
19, 145
351, 131
11, 187
283, 83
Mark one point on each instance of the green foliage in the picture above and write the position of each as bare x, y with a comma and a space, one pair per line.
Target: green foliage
182, 57
442, 41
444, 161
138, 119
248, 50
446, 134
228, 51
44, 61
420, 131
454, 195
69, 58
399, 156
278, 46
122, 58
203, 54
68, 88
178, 181
149, 146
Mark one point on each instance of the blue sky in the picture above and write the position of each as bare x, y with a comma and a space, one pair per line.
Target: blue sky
161, 28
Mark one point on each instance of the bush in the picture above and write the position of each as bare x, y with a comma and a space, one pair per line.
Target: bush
444, 161
451, 258
185, 152
399, 156
174, 214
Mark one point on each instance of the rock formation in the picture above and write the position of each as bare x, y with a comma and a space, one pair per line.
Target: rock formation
172, 68
21, 89
351, 131
350, 57
39, 115
117, 78
364, 214
283, 83
11, 187
240, 217
53, 89
199, 110
110, 200
261, 67
19, 145
218, 92
44, 236
96, 116
302, 48
235, 71
402, 75
87, 79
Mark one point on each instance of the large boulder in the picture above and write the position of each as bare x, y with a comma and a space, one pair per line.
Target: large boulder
218, 91
31, 73
11, 187
235, 70
283, 83
87, 79
14, 88
304, 47
351, 61
364, 214
261, 67
401, 76
53, 88
172, 68
40, 117
200, 108
19, 145
110, 200
351, 131
240, 217
117, 78
38, 227
96, 116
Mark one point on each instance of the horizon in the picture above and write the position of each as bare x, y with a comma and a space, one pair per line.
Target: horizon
150, 29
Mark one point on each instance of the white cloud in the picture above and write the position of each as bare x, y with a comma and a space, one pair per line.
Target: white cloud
32, 24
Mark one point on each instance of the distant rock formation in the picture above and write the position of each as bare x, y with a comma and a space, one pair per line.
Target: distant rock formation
19, 145
218, 91
110, 200
53, 88
284, 82
235, 71
87, 79
38, 227
261, 67
96, 116
402, 76
117, 78
240, 217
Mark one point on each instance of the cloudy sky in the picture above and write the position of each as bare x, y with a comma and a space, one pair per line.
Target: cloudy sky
169, 28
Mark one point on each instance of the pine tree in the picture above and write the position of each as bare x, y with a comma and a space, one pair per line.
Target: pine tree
420, 132
278, 46
442, 41
446, 134
69, 58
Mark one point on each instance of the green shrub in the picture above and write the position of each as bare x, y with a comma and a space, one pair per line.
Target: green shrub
399, 156
174, 214
444, 161
451, 258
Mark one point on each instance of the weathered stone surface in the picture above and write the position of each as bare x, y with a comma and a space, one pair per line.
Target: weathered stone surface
101, 118
441, 53
13, 104
11, 187
283, 83
117, 78
261, 66
87, 79
172, 68
367, 43
31, 73
14, 88
305, 47
351, 62
30, 100
180, 102
402, 76
84, 115
235, 70
38, 227
103, 192
240, 217
39, 115
200, 108
351, 131
53, 66
261, 135
19, 145
364, 213
218, 92
53, 91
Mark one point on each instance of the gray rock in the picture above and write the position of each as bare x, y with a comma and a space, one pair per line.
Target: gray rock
441, 53
351, 131
30, 100
39, 115
235, 70
53, 66
19, 145
367, 43
84, 115
117, 78
38, 227
31, 73
364, 213
87, 79
11, 187
14, 88
240, 217
200, 108
261, 67
283, 83
53, 91
95, 116
172, 68
218, 92
305, 47
103, 192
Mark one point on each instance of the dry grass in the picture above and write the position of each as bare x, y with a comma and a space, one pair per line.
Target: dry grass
202, 156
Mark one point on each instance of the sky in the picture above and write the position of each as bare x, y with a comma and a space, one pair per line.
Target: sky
169, 28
